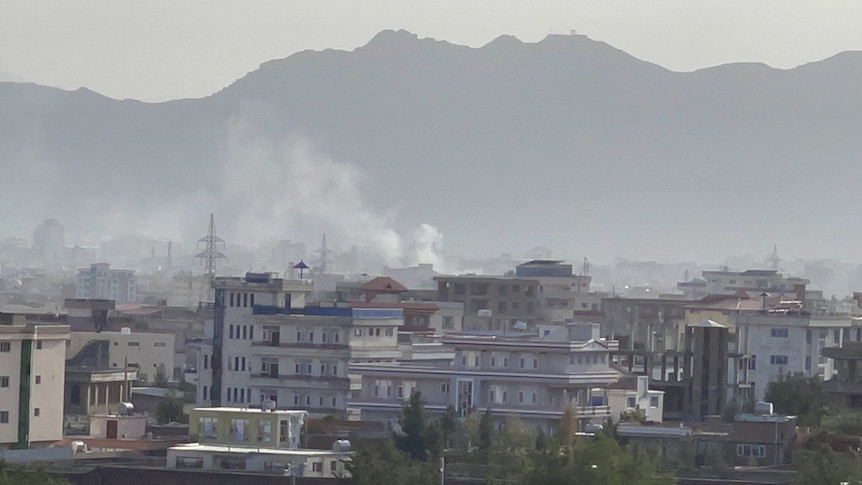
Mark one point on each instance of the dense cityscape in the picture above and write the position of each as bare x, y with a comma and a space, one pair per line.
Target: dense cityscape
188, 363
385, 243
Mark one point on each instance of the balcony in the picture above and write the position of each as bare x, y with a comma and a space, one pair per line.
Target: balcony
268, 377
593, 411
301, 345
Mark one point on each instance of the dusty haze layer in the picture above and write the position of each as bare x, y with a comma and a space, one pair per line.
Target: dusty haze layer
567, 143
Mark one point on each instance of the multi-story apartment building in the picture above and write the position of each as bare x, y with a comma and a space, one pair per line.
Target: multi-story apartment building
49, 244
754, 280
32, 376
540, 292
534, 376
266, 345
101, 282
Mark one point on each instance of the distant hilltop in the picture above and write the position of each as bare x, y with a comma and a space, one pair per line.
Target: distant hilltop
568, 143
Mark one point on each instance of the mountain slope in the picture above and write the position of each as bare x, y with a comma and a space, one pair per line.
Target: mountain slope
567, 142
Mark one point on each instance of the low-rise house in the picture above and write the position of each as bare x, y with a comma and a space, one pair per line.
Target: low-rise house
632, 395
255, 440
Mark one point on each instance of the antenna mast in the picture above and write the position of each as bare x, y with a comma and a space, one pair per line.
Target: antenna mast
211, 252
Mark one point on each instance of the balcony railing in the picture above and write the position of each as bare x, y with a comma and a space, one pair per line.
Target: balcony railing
301, 345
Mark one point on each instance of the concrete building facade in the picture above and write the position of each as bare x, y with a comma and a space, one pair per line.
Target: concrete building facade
99, 281
32, 357
534, 376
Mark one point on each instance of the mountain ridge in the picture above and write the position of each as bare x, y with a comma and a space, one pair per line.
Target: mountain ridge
483, 143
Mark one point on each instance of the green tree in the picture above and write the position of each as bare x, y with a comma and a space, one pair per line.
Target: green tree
170, 409
377, 463
599, 461
486, 431
797, 395
417, 438
843, 423
568, 427
818, 464
18, 475
161, 378
448, 425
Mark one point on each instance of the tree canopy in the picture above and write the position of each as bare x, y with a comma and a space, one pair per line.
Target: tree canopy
797, 395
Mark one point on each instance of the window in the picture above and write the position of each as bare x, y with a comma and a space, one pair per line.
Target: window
38, 379
757, 451
206, 361
4, 417
189, 462
631, 402
4, 381
808, 363
752, 363
390, 332
653, 401
299, 336
205, 393
333, 465
264, 431
134, 344
336, 337
444, 388
333, 402
778, 332
230, 331
38, 345
245, 332
448, 322
317, 466
159, 344
36, 412
5, 346
778, 359
238, 429
357, 332
311, 336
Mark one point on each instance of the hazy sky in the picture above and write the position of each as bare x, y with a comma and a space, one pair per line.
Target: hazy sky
156, 50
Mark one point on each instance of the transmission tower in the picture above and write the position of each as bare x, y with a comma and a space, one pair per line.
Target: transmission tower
774, 260
211, 244
321, 263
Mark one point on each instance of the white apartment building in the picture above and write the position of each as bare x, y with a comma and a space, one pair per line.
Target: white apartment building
754, 281
32, 377
769, 344
265, 345
536, 377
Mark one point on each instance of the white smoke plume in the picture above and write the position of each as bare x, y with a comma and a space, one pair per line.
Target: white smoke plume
287, 189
